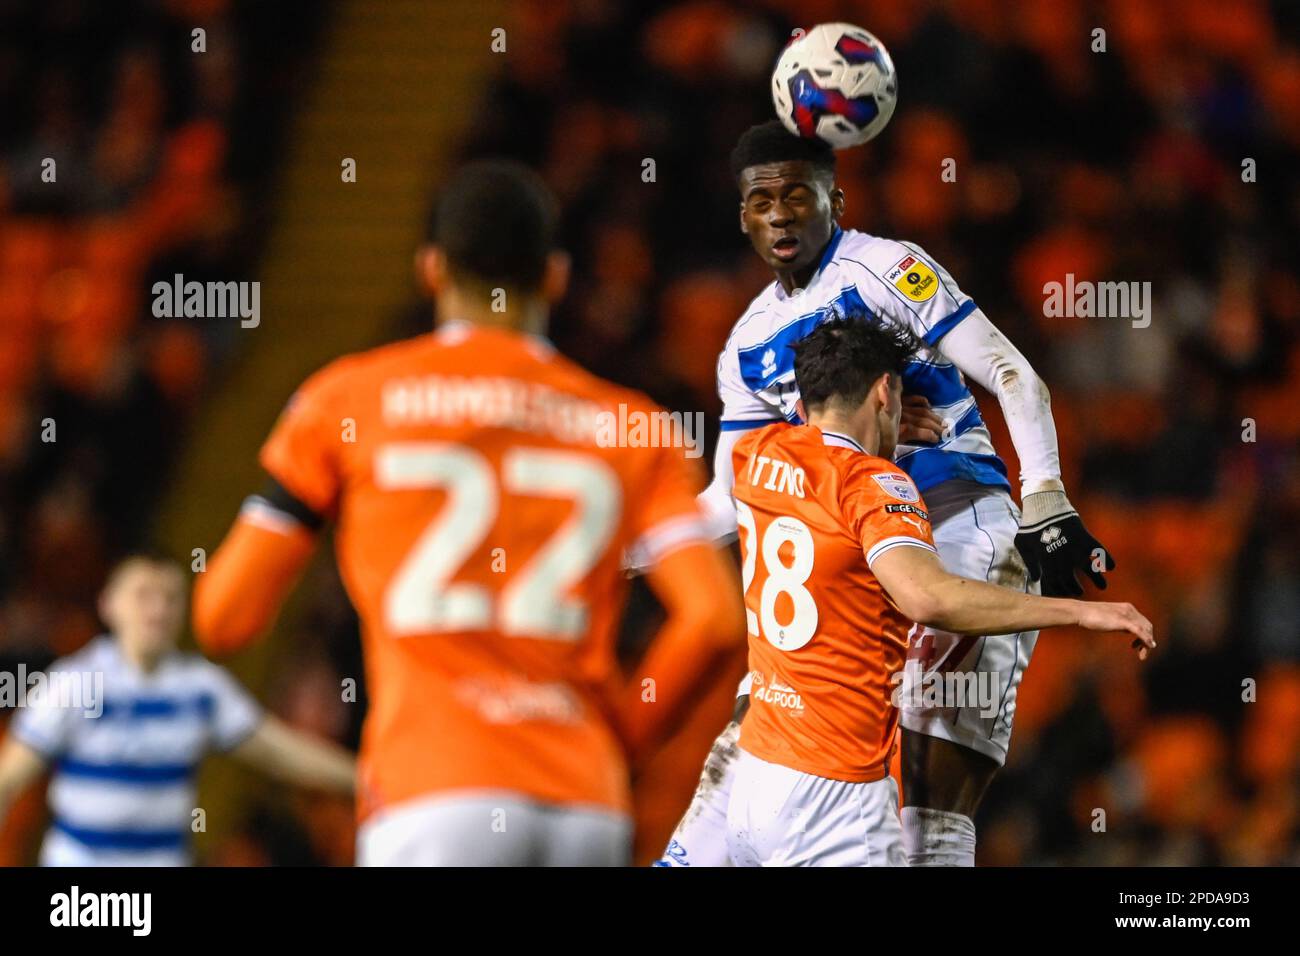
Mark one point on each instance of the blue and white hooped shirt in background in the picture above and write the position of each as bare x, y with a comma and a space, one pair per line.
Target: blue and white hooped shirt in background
895, 281
122, 789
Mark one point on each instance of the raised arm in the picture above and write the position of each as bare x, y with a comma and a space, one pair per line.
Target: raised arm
1052, 539
929, 595
985, 355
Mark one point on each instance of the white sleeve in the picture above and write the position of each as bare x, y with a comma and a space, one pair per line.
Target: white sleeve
741, 407
914, 291
715, 501
45, 725
235, 713
742, 410
985, 355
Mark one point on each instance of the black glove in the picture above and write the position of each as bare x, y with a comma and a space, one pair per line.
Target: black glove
1055, 544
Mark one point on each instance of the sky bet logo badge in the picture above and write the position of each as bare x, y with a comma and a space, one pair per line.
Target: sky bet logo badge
913, 278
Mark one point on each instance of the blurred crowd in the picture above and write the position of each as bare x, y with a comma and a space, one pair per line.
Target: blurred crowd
1179, 440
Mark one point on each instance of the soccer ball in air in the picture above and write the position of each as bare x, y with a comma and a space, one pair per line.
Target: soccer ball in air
836, 83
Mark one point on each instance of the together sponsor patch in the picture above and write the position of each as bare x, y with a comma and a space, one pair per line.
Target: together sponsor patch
908, 509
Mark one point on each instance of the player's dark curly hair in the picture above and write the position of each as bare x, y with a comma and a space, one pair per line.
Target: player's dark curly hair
771, 142
843, 357
496, 222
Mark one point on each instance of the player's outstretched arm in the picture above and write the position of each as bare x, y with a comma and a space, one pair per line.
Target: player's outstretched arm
929, 595
1052, 539
20, 767
296, 758
700, 593
247, 579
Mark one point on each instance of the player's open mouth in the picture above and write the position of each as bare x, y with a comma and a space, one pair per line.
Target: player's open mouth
787, 247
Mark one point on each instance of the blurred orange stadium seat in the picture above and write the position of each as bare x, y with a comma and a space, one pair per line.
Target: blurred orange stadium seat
1270, 746
177, 361
1181, 762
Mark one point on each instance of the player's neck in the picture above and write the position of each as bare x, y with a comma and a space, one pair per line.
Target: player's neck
144, 663
860, 427
799, 279
503, 310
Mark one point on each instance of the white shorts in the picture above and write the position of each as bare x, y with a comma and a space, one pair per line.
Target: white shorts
783, 817
493, 829
963, 689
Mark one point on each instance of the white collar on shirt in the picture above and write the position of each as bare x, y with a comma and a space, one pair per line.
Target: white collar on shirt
841, 441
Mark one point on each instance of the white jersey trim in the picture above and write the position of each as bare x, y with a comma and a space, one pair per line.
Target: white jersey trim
898, 541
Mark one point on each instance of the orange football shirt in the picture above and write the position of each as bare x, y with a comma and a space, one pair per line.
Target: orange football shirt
825, 640
483, 505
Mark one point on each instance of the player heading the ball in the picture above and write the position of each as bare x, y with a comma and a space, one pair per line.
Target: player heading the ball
838, 562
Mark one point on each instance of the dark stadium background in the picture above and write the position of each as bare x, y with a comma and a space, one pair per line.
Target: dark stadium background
1123, 165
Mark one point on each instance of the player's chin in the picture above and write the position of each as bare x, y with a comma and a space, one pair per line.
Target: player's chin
781, 264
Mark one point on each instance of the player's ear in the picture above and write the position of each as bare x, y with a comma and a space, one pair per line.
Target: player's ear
798, 407
430, 269
744, 226
837, 202
885, 389
555, 280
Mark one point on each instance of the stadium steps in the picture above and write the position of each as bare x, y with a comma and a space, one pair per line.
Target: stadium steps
393, 86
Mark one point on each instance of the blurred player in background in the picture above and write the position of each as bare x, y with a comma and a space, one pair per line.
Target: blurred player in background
481, 526
123, 788
790, 206
839, 561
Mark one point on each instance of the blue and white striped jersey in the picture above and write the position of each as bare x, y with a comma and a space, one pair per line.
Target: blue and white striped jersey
122, 790
894, 281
